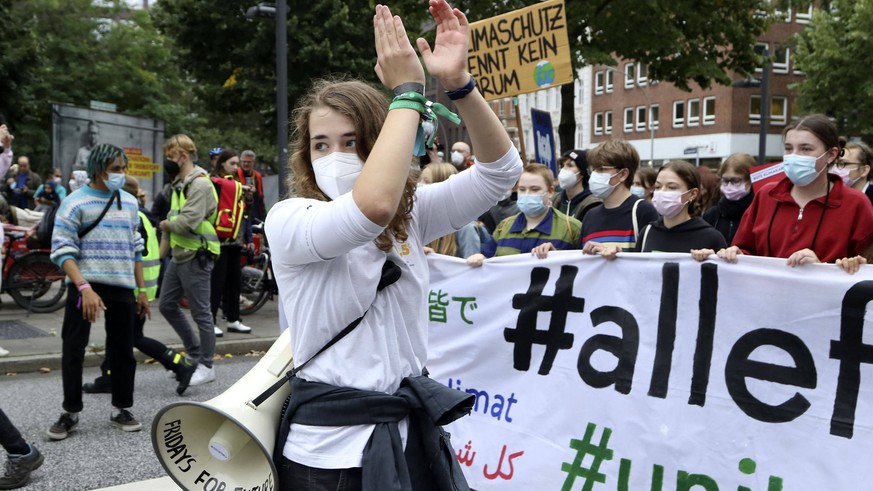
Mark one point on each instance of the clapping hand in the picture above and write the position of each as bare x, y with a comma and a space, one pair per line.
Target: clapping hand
448, 59
396, 61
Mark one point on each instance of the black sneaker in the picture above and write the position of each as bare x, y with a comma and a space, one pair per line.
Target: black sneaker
18, 469
63, 427
125, 421
100, 385
184, 371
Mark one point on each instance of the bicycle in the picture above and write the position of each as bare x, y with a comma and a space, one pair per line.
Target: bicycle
258, 283
30, 277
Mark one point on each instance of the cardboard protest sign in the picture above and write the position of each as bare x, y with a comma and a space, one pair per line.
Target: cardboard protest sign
523, 51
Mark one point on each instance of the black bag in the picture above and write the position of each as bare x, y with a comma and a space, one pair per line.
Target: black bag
45, 227
47, 223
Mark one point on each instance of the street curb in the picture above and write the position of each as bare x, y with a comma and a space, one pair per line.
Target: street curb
33, 363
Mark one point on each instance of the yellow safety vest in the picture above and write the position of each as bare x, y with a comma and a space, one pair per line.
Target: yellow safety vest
203, 236
151, 263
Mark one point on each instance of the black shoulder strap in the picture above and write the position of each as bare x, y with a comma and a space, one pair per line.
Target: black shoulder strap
116, 196
390, 274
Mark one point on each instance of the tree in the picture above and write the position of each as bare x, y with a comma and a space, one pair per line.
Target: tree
833, 52
680, 41
231, 60
75, 51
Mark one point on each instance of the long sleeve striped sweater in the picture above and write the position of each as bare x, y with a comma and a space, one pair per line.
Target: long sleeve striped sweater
108, 253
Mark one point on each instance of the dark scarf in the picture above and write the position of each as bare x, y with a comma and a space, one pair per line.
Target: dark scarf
733, 210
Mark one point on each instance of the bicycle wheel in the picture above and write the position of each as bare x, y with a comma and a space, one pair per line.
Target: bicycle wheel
37, 284
254, 300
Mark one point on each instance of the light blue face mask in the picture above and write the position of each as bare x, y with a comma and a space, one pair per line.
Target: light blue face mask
531, 205
115, 181
800, 169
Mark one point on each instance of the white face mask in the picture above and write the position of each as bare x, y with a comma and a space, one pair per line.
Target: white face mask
457, 158
336, 173
599, 185
567, 178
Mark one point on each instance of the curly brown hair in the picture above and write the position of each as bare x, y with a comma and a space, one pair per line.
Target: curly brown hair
367, 108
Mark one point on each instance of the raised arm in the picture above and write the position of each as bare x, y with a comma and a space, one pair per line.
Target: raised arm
447, 61
378, 189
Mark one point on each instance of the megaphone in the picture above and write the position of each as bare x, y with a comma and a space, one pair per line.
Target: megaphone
226, 443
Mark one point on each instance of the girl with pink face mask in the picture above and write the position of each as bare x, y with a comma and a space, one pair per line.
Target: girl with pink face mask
676, 197
736, 195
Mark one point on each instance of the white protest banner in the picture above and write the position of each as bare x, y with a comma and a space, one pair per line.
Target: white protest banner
522, 51
656, 372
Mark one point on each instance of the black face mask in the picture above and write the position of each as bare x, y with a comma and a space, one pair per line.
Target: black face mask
171, 168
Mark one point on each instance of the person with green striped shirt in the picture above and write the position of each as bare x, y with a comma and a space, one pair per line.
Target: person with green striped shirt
538, 223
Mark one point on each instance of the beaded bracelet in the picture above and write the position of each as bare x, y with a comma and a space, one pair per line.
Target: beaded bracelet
429, 111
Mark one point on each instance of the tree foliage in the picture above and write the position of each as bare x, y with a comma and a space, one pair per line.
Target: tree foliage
833, 53
75, 51
204, 69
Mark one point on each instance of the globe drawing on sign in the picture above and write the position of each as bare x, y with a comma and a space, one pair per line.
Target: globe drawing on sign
544, 73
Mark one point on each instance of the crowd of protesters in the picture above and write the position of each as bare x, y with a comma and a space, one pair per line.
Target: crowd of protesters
341, 225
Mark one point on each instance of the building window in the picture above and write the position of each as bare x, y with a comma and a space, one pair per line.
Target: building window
607, 125
610, 76
780, 59
783, 16
779, 110
654, 116
501, 108
629, 75
598, 123
642, 74
760, 48
708, 110
693, 112
803, 16
628, 119
641, 118
755, 109
598, 83
678, 114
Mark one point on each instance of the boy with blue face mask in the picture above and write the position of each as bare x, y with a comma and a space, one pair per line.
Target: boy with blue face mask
536, 225
97, 244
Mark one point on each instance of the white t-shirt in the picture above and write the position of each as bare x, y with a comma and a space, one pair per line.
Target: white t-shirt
327, 267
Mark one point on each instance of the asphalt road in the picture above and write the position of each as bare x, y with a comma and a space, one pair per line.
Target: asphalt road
97, 455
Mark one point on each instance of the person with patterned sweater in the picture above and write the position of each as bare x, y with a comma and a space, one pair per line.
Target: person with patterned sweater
96, 242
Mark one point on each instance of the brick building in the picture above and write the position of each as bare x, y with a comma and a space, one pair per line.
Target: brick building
664, 122
660, 120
